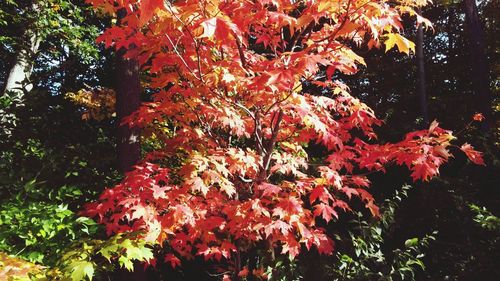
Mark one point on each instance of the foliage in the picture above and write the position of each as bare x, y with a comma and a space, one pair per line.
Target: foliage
87, 258
485, 218
63, 160
65, 29
66, 161
15, 269
366, 259
363, 252
40, 231
247, 89
98, 104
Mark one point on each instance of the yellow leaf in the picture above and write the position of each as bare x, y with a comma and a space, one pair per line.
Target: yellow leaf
328, 5
404, 45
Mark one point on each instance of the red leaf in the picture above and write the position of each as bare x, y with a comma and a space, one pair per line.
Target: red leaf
478, 117
173, 260
320, 192
475, 156
325, 211
244, 272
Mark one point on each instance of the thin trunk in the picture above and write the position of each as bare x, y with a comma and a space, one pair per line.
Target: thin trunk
18, 81
449, 32
479, 65
421, 90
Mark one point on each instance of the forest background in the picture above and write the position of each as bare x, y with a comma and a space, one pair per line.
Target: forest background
60, 146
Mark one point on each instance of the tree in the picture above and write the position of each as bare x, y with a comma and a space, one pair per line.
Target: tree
421, 85
128, 99
35, 31
243, 95
20, 73
479, 61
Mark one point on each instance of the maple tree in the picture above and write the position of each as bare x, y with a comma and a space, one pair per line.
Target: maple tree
235, 112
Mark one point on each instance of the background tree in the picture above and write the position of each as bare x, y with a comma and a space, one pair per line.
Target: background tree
128, 99
421, 84
480, 71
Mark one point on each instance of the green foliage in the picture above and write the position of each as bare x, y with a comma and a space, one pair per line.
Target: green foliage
90, 256
363, 252
82, 260
8, 120
366, 259
57, 22
40, 231
285, 269
485, 218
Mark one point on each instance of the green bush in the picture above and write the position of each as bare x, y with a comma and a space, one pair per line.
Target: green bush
40, 231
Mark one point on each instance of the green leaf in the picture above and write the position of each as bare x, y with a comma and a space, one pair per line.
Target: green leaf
411, 242
82, 269
125, 262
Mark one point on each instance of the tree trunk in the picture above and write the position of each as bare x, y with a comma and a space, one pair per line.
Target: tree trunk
479, 65
128, 99
421, 90
128, 90
18, 81
449, 33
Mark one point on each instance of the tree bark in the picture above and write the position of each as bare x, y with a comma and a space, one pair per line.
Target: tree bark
128, 100
128, 90
18, 81
421, 84
479, 64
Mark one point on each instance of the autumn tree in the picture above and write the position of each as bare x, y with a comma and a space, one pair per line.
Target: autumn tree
243, 90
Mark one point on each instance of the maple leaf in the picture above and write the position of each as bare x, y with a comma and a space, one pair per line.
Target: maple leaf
326, 212
244, 272
172, 260
478, 117
475, 156
374, 209
423, 171
404, 45
323, 243
268, 189
218, 29
210, 252
197, 184
226, 249
159, 192
321, 193
433, 126
138, 211
260, 273
349, 191
148, 8
292, 247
